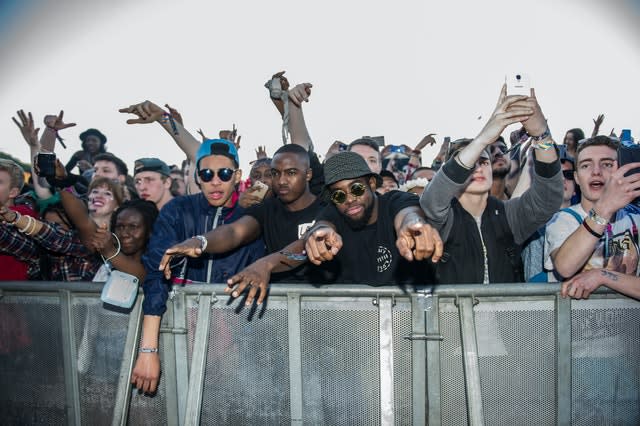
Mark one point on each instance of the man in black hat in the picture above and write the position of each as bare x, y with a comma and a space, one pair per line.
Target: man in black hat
93, 142
371, 239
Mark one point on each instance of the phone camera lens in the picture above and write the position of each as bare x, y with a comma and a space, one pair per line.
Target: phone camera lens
518, 77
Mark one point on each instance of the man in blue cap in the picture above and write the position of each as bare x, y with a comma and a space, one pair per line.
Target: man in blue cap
217, 174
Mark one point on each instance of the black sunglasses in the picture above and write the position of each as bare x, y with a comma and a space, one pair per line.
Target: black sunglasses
339, 196
224, 174
568, 174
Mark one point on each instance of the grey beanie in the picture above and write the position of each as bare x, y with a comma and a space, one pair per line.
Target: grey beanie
347, 165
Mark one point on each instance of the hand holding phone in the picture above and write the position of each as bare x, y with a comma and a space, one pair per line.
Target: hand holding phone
518, 84
46, 162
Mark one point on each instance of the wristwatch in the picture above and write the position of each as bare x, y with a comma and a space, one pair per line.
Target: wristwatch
203, 242
596, 218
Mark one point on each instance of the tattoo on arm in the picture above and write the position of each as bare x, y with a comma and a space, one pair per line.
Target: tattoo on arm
610, 275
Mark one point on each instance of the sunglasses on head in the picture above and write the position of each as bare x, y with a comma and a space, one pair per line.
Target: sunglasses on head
568, 174
339, 196
224, 174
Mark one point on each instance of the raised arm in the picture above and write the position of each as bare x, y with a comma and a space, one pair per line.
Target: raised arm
30, 135
148, 112
295, 97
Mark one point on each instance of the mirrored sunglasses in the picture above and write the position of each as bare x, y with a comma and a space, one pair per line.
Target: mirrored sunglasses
224, 174
568, 174
339, 196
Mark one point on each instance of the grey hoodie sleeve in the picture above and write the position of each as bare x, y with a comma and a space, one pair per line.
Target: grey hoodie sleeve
436, 197
538, 204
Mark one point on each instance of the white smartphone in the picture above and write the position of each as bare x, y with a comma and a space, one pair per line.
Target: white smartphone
518, 84
260, 189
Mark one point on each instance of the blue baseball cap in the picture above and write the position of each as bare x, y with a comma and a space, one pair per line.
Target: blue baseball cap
217, 147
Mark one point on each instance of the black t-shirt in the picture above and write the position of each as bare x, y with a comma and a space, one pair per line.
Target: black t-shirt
280, 227
369, 255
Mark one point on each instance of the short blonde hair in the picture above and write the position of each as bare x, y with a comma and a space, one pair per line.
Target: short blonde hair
16, 172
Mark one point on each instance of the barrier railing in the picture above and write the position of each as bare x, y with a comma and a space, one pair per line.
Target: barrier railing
444, 355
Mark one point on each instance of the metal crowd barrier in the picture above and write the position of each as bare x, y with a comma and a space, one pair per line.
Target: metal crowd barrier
333, 355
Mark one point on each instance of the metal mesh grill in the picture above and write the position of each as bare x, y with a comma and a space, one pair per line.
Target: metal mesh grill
100, 337
605, 369
340, 365
516, 344
247, 367
453, 400
516, 347
32, 389
402, 372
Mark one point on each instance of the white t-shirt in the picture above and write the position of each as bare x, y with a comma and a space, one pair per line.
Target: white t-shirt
617, 250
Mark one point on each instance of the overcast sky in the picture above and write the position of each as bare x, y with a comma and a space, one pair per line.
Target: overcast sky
399, 69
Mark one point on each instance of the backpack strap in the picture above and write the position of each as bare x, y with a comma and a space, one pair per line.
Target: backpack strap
573, 213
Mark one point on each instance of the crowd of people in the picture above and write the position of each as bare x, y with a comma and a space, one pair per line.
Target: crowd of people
482, 211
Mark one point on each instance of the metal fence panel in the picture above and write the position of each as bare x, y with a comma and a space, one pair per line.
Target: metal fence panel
32, 387
606, 371
100, 335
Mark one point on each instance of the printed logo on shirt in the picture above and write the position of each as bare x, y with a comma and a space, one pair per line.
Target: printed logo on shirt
384, 258
304, 227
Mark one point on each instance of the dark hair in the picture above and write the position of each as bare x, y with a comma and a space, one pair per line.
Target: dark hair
366, 142
107, 156
597, 141
147, 210
93, 132
578, 134
58, 209
294, 149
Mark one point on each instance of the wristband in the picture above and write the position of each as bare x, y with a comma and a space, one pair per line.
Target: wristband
148, 350
591, 231
544, 135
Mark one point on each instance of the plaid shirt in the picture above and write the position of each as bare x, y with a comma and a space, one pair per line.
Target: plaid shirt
69, 259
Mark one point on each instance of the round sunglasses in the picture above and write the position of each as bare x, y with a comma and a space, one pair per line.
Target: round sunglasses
224, 174
339, 196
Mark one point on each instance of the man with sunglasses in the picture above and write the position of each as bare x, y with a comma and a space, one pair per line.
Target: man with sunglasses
367, 238
600, 232
482, 234
500, 167
280, 220
217, 174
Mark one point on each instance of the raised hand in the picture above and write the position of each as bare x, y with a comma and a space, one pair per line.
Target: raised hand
427, 140
191, 247
261, 152
174, 114
147, 112
300, 93
418, 241
202, 135
27, 128
56, 122
506, 113
254, 279
322, 244
597, 122
536, 124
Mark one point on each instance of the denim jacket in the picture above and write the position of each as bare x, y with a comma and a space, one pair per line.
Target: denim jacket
180, 219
